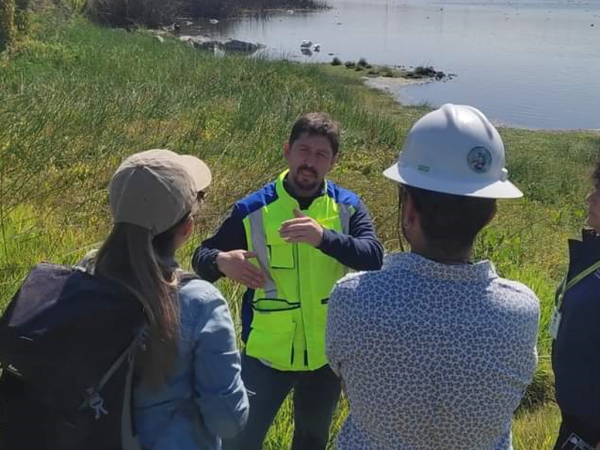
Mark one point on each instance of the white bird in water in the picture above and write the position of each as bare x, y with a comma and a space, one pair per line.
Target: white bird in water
317, 48
214, 21
305, 43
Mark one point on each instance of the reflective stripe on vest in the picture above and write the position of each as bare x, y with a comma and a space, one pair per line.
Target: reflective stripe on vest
259, 245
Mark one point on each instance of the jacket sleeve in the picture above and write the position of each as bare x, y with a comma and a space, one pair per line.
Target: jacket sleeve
219, 391
231, 235
359, 250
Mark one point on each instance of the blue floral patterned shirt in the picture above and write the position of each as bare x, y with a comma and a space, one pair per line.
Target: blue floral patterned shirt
432, 355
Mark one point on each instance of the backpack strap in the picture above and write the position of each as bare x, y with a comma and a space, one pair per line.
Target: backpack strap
93, 398
128, 439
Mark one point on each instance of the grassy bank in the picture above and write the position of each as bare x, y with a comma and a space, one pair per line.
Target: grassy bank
75, 99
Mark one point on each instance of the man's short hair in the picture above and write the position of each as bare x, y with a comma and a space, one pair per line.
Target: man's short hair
450, 221
319, 124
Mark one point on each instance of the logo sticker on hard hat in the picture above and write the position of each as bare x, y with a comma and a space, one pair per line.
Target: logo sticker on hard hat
479, 159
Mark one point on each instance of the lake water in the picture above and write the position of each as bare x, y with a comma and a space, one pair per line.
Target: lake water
532, 63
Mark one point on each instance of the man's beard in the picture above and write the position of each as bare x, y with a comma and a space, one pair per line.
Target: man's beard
306, 185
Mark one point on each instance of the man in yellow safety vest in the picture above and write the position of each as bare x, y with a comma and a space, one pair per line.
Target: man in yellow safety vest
289, 242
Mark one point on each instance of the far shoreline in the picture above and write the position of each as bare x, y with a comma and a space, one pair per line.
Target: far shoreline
389, 85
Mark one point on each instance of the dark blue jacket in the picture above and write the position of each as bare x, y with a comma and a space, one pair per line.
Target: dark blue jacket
359, 250
576, 351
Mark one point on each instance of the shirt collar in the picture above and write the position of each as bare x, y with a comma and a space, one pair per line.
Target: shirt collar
411, 262
584, 252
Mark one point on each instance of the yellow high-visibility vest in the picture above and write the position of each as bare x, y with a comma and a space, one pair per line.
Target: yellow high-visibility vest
287, 331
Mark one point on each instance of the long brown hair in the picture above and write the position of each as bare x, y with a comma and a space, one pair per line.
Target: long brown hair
130, 256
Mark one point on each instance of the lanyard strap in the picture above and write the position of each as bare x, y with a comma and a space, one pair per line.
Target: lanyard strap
564, 287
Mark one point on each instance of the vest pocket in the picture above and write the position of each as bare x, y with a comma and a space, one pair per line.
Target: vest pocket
281, 256
281, 253
272, 331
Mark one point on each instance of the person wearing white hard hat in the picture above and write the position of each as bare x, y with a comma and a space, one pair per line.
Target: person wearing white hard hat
436, 350
189, 392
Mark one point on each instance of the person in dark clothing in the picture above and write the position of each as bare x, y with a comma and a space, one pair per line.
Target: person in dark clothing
575, 327
289, 242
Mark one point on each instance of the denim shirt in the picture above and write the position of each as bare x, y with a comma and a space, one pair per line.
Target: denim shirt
204, 399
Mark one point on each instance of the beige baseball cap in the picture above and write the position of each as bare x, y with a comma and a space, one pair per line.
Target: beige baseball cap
156, 188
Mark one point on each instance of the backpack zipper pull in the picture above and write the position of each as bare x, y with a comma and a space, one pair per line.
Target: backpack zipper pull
97, 404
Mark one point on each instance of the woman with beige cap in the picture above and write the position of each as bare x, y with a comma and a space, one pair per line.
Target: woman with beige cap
189, 393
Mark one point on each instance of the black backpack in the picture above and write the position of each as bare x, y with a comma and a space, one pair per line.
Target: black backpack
67, 347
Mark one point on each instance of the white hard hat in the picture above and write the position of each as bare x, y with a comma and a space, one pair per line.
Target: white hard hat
455, 150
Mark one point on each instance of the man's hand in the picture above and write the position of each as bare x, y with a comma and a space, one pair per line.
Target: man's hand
598, 446
302, 229
235, 265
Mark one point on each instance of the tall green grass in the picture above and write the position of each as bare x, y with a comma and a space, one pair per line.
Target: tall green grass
8, 29
536, 430
75, 99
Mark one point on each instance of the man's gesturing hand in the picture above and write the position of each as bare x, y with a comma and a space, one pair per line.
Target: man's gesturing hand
302, 229
235, 265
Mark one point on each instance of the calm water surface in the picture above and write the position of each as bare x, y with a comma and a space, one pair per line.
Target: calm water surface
532, 63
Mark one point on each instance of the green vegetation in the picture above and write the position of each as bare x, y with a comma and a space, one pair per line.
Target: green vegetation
14, 19
125, 13
418, 73
536, 430
152, 13
8, 29
75, 99
220, 8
